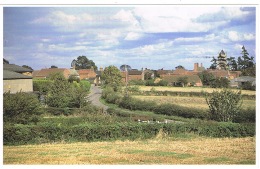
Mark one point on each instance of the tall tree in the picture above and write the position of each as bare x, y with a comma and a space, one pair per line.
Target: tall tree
232, 63
125, 67
53, 66
112, 77
83, 62
245, 61
214, 63
179, 67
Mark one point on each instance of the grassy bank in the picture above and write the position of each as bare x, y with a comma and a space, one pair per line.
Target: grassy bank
161, 150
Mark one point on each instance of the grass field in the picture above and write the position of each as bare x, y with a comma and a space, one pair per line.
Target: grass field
160, 150
188, 89
196, 102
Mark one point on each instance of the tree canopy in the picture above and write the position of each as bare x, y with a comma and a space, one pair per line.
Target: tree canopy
82, 62
111, 76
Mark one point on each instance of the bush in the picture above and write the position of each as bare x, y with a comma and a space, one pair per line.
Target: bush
21, 108
220, 83
224, 105
41, 85
59, 131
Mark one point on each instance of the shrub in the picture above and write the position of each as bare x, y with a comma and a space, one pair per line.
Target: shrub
21, 108
220, 83
59, 131
41, 85
224, 105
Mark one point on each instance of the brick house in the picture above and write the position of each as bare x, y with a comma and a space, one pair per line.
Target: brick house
133, 74
45, 73
87, 74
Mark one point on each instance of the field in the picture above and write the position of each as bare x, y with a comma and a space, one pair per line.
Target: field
118, 138
188, 89
196, 102
195, 150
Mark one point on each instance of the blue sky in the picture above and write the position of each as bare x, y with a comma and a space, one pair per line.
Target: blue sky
145, 36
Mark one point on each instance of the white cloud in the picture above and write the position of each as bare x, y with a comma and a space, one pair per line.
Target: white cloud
63, 21
236, 36
233, 36
133, 36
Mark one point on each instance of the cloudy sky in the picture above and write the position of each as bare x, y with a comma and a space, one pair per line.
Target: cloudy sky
145, 36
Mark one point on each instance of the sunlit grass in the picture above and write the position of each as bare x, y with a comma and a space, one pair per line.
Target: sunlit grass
189, 89
160, 150
191, 102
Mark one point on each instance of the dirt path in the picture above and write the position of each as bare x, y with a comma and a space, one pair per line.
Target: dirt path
94, 96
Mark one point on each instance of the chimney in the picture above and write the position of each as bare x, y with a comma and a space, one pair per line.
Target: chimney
196, 65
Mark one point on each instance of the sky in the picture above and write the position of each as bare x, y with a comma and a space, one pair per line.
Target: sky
142, 36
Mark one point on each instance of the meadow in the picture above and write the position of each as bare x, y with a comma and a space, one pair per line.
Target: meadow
188, 89
160, 150
118, 138
190, 102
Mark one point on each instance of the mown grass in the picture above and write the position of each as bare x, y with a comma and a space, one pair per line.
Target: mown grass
189, 89
160, 150
196, 102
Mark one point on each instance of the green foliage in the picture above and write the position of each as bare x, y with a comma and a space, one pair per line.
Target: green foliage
136, 82
42, 85
59, 94
183, 80
224, 105
21, 108
248, 86
75, 130
83, 62
220, 83
112, 77
206, 78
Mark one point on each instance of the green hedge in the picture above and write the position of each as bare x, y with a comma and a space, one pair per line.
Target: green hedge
49, 132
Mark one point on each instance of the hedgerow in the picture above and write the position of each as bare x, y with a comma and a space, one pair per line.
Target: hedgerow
57, 132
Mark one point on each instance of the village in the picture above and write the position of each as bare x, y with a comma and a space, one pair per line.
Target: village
17, 78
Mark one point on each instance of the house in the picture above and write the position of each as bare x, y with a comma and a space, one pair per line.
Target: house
16, 79
86, 74
45, 73
239, 81
133, 74
193, 80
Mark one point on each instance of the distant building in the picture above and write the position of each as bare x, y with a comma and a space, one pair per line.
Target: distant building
87, 74
45, 73
16, 79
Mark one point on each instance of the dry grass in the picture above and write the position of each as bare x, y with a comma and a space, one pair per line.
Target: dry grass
156, 151
188, 89
191, 102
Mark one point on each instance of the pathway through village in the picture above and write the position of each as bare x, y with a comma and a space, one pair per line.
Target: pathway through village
94, 96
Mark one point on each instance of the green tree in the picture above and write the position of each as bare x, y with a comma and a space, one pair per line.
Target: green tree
183, 80
179, 67
28, 67
206, 78
83, 62
246, 64
21, 108
53, 66
220, 82
232, 63
224, 105
59, 92
112, 77
214, 63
